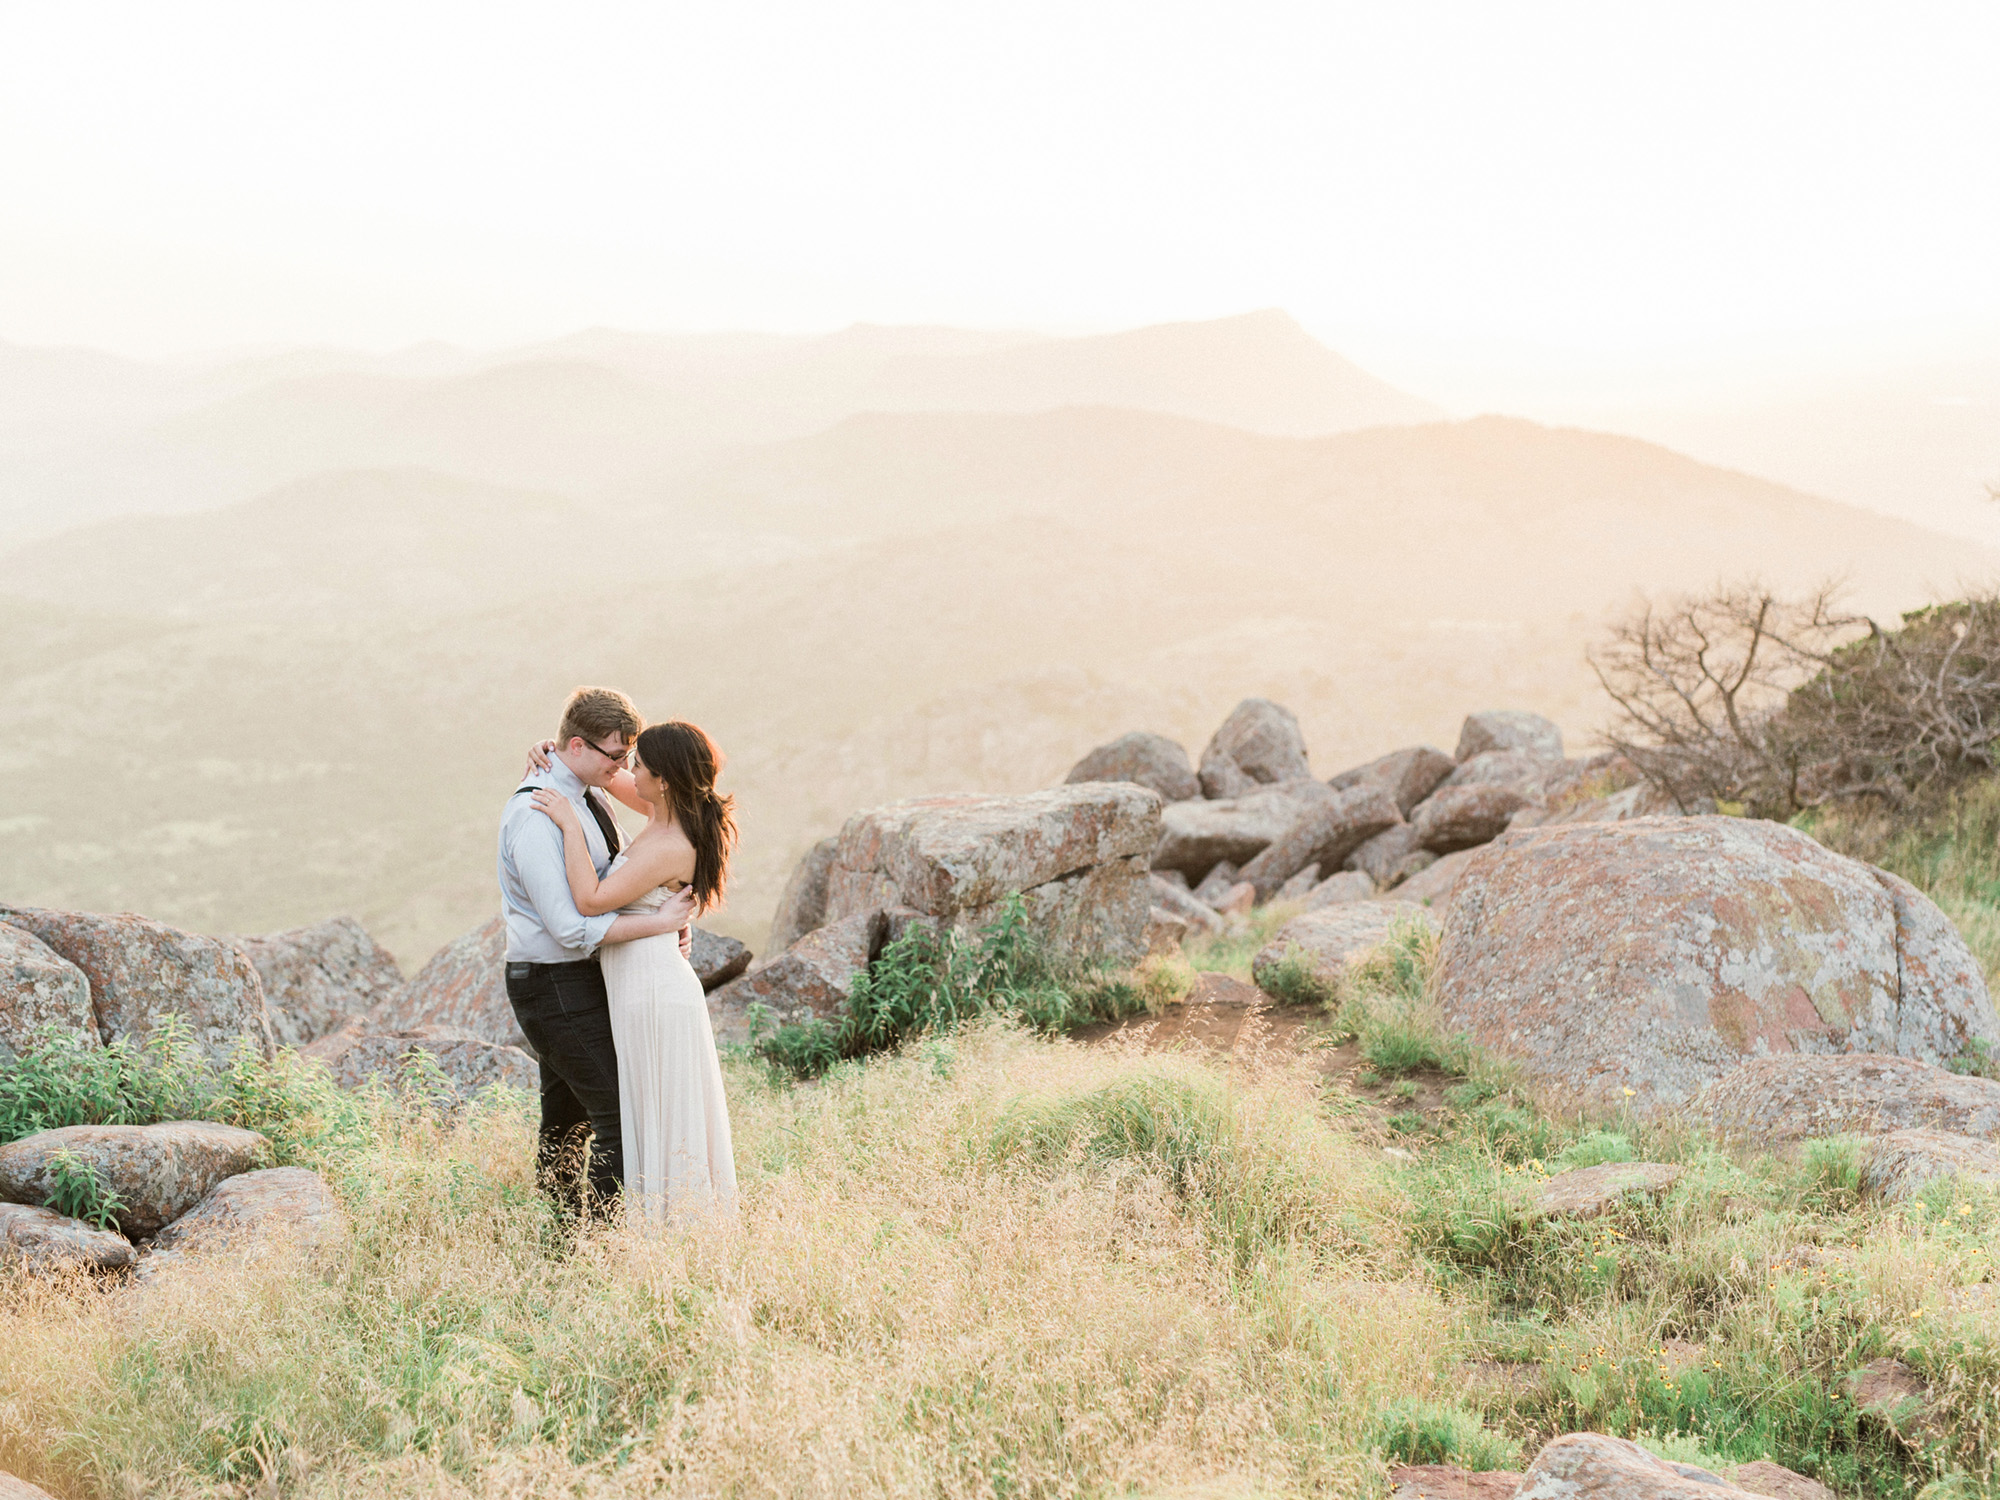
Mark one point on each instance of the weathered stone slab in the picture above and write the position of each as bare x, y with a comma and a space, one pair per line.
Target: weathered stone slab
251, 1215
1259, 744
1325, 833
1408, 775
38, 988
159, 1171
1508, 729
318, 978
1150, 760
1195, 837
1591, 1466
1459, 817
1904, 1162
1450, 1482
51, 1243
1790, 1098
470, 1063
1655, 955
802, 907
809, 980
1334, 938
1588, 1191
142, 971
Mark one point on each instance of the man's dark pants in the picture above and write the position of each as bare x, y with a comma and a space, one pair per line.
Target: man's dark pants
564, 1014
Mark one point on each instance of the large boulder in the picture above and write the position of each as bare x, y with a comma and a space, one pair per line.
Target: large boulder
1332, 939
802, 907
1150, 760
19, 1489
52, 1243
38, 988
1450, 1482
318, 978
250, 1215
1195, 837
1460, 817
1509, 729
142, 971
1387, 858
468, 1063
1533, 776
1431, 884
1324, 834
1340, 889
463, 987
1408, 775
1636, 962
1903, 1163
1792, 1097
1076, 856
158, 1172
1588, 1192
809, 981
1259, 744
1178, 899
716, 959
1591, 1466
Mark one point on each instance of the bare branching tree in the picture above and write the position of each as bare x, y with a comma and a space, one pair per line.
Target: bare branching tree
1740, 696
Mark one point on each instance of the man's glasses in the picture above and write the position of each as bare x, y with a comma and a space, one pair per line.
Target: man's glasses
620, 757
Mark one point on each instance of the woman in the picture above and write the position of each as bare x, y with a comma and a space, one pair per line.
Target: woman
676, 1122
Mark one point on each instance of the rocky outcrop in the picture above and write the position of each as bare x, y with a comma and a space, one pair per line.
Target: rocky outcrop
249, 1215
1776, 1482
1904, 1162
1195, 837
462, 988
1339, 889
1508, 729
1431, 883
1296, 886
50, 1243
318, 978
19, 1489
1459, 817
1789, 1098
142, 971
1199, 915
1149, 760
1076, 856
1407, 775
716, 959
1589, 1191
1325, 832
802, 907
158, 1172
1591, 1466
810, 980
1450, 1482
1655, 955
1334, 938
1258, 745
468, 1063
1393, 855
39, 988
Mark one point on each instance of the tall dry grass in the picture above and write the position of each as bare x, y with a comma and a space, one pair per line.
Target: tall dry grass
992, 1265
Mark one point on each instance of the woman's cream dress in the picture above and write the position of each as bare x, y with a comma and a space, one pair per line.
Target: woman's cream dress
676, 1123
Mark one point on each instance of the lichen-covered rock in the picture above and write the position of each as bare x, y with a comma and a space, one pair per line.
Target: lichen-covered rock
802, 907
1334, 938
1589, 1191
38, 988
250, 1215
1076, 856
810, 980
159, 1172
1296, 887
1324, 833
1195, 837
51, 1243
1591, 1466
1518, 770
1450, 1482
1216, 885
1259, 744
463, 987
1384, 858
1199, 915
1509, 729
716, 959
1655, 955
19, 1489
1429, 880
468, 1063
1892, 1392
1338, 890
318, 978
1776, 1482
1791, 1097
1150, 760
1165, 931
1408, 775
1459, 817
1903, 1163
142, 971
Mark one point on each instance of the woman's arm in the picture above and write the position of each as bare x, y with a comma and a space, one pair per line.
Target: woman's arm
641, 871
672, 916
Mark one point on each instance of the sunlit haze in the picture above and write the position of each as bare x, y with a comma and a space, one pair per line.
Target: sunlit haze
1468, 198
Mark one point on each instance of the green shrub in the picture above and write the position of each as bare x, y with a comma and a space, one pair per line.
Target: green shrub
931, 979
1429, 1432
80, 1191
1296, 980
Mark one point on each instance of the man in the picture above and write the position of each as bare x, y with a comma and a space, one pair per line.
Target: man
553, 979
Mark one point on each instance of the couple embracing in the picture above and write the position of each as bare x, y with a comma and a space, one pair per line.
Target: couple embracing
597, 960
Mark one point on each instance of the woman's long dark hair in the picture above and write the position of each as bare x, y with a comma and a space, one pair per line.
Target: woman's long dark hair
687, 763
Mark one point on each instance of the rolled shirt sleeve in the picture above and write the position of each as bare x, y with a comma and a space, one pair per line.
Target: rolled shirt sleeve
536, 846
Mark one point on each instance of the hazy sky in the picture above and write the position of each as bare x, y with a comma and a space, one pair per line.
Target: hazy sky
1588, 184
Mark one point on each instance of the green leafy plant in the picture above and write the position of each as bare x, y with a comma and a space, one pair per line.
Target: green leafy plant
78, 1189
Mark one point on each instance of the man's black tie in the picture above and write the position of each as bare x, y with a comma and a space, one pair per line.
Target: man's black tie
604, 824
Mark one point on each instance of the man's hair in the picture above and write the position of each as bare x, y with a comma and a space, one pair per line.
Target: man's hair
597, 713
